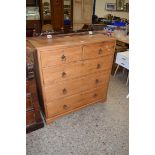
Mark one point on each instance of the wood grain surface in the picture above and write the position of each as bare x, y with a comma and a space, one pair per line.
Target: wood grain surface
73, 71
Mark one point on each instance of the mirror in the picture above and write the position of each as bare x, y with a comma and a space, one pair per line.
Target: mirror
120, 5
46, 12
67, 14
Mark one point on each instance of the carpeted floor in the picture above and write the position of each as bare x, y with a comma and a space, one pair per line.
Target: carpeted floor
99, 129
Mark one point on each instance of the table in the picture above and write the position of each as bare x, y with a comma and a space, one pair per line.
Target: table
122, 59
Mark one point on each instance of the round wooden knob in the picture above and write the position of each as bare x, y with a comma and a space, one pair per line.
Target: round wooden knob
97, 81
63, 57
95, 95
63, 74
65, 106
98, 66
100, 51
64, 91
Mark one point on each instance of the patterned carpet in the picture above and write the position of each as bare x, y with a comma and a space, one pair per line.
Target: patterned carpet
99, 129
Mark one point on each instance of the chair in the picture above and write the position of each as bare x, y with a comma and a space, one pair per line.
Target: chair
122, 59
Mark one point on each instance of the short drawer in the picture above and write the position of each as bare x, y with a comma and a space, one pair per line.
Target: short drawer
95, 65
69, 103
60, 56
98, 50
52, 75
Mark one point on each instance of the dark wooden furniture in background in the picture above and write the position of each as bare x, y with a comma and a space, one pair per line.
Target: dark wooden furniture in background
57, 14
32, 2
45, 12
33, 116
32, 25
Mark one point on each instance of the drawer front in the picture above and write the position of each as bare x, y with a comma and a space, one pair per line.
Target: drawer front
92, 81
95, 95
60, 56
52, 75
62, 89
63, 105
95, 65
67, 88
98, 50
30, 117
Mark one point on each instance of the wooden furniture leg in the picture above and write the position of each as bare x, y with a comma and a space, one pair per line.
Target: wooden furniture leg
123, 70
116, 70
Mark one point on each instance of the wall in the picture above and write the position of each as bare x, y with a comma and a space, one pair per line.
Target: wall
101, 12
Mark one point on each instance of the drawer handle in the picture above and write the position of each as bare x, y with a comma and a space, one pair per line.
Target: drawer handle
95, 95
123, 64
63, 74
97, 81
123, 59
65, 106
64, 91
98, 66
100, 51
63, 58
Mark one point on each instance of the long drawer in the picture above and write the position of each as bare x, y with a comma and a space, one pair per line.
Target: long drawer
53, 75
98, 50
70, 87
69, 103
60, 56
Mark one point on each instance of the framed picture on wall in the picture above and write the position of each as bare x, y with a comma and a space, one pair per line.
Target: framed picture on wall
110, 6
120, 5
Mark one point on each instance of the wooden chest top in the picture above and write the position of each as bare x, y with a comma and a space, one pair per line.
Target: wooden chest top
65, 41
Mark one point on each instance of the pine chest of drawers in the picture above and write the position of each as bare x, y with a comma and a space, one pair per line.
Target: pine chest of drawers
72, 71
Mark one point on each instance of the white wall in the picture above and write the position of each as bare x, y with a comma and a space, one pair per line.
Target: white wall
101, 12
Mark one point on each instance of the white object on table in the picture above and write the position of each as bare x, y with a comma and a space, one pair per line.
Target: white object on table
49, 36
122, 59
